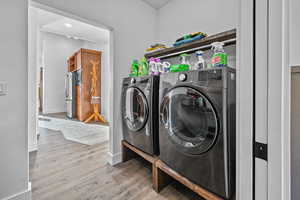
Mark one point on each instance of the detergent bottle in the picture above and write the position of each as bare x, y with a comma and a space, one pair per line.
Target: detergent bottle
200, 64
143, 67
153, 67
219, 58
134, 68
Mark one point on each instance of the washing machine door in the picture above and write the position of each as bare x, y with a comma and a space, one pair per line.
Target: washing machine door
136, 109
190, 119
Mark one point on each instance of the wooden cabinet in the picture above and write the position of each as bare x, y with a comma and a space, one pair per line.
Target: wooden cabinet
80, 62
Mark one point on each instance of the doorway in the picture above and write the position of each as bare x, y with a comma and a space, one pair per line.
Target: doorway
54, 37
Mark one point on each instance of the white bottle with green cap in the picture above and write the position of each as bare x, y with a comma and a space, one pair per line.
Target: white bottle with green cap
200, 64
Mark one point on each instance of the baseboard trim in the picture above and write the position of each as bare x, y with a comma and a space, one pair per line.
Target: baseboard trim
25, 195
32, 148
114, 159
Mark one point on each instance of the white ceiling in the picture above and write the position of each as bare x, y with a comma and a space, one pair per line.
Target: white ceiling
53, 23
157, 3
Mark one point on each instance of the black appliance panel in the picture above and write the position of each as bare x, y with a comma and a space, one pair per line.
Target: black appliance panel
190, 119
139, 110
213, 169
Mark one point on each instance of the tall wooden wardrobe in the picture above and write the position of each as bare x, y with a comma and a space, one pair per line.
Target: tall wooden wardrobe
80, 63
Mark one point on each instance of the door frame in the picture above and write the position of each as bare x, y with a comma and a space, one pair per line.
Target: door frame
279, 76
244, 103
286, 97
111, 68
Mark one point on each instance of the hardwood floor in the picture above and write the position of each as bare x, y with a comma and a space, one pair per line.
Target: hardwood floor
64, 170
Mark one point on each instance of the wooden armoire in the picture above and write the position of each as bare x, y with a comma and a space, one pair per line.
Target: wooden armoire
80, 63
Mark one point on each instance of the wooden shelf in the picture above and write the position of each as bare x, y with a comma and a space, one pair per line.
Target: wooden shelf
228, 37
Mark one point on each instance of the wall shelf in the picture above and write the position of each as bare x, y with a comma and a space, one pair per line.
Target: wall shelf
228, 37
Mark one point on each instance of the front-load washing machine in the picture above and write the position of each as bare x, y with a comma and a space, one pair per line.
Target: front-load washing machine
197, 127
139, 110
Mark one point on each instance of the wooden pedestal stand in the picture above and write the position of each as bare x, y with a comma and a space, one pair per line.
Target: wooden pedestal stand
164, 170
163, 175
95, 98
130, 152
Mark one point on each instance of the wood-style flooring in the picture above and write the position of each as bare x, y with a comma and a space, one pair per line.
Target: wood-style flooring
64, 170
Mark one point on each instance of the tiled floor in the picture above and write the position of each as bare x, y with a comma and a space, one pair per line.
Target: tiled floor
63, 115
76, 131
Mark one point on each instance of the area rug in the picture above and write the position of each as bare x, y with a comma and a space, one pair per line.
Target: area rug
88, 134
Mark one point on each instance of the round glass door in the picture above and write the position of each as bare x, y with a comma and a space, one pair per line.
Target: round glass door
136, 109
190, 119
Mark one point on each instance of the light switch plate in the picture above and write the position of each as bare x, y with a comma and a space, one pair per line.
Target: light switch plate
3, 88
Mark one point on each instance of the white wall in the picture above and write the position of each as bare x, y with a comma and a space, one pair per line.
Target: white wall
56, 51
294, 32
13, 106
182, 17
133, 25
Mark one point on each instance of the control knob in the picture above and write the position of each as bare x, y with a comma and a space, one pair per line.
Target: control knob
182, 77
133, 81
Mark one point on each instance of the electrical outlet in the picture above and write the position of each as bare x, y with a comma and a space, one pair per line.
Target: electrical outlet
3, 88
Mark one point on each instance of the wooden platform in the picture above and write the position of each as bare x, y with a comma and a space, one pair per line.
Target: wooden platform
129, 152
161, 180
163, 175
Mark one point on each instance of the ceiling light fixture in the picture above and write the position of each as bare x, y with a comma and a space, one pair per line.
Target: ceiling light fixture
68, 25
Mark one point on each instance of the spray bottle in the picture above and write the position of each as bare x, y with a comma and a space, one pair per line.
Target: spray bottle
144, 67
185, 59
219, 58
200, 64
153, 66
184, 66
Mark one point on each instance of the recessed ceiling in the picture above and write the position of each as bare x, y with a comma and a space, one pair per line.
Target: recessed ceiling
76, 29
157, 3
53, 23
